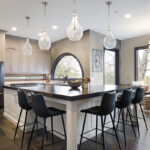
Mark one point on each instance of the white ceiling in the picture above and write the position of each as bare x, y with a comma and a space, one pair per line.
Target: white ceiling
92, 15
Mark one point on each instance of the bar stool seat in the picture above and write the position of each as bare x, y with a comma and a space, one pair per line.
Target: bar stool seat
118, 104
41, 110
106, 108
122, 104
97, 110
139, 95
52, 111
24, 105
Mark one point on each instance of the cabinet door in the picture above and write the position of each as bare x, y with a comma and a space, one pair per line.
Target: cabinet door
40, 61
46, 64
8, 68
11, 61
32, 64
15, 61
24, 64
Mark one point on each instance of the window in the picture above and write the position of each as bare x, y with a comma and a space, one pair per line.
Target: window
142, 65
67, 65
111, 66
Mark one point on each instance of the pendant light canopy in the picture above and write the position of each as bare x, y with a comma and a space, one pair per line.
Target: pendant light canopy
45, 41
110, 39
74, 30
27, 48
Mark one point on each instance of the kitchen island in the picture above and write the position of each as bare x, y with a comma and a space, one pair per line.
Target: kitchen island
63, 97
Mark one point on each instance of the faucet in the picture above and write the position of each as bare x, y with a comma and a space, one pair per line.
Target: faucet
65, 78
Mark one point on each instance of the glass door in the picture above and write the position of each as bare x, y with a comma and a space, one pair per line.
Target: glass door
111, 59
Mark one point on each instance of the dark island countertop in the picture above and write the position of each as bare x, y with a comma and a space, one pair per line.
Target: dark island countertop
66, 92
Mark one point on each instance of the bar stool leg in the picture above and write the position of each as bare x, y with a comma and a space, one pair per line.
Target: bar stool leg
119, 117
52, 130
114, 114
115, 131
102, 123
127, 115
82, 131
128, 111
37, 127
24, 128
143, 116
63, 123
137, 121
124, 131
31, 133
43, 134
96, 126
17, 124
46, 131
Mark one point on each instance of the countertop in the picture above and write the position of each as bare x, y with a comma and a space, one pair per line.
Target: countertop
66, 92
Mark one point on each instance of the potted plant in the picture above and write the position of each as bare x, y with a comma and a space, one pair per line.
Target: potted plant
85, 82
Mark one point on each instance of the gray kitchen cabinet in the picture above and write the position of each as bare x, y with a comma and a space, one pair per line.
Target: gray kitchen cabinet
18, 63
11, 61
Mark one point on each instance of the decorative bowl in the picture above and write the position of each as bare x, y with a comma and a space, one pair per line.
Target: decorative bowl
74, 83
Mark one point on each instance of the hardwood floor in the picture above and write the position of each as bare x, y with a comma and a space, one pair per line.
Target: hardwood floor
7, 143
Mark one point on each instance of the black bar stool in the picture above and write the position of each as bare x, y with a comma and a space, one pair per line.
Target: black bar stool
122, 104
40, 110
23, 103
139, 95
106, 108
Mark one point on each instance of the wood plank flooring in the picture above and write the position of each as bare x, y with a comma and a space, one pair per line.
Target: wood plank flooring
7, 131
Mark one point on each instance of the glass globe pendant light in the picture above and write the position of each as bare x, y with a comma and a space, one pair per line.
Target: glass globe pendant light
110, 39
27, 48
45, 41
74, 30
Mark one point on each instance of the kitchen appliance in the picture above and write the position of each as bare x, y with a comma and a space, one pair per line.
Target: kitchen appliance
1, 84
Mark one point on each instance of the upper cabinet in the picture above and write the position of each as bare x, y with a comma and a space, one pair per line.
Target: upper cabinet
17, 63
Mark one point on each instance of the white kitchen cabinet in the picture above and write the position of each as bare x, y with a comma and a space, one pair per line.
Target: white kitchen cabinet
43, 63
24, 64
18, 63
11, 61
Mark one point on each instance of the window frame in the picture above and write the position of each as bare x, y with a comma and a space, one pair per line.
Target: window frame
57, 61
117, 66
136, 49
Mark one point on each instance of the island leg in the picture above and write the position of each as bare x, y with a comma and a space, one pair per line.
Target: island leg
72, 125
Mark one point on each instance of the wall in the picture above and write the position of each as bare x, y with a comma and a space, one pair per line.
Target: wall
127, 57
96, 42
80, 49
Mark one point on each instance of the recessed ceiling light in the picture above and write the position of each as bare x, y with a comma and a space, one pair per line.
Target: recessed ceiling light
55, 27
40, 34
127, 16
14, 29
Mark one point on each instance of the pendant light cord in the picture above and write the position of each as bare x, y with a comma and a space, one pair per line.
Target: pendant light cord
108, 3
27, 18
45, 17
108, 17
75, 6
74, 15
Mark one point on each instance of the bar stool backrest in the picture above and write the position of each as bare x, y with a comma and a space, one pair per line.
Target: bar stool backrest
126, 98
138, 95
108, 103
38, 105
22, 100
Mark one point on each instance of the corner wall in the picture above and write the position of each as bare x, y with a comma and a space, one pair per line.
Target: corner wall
127, 65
